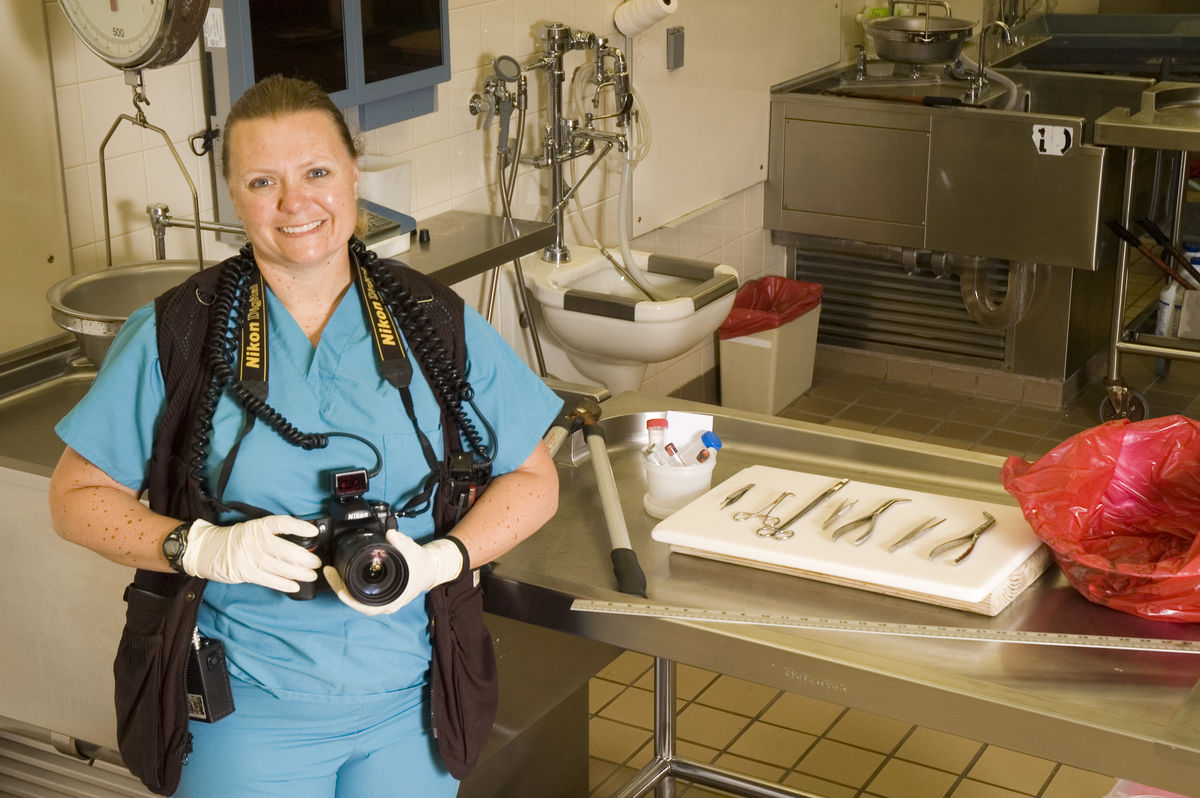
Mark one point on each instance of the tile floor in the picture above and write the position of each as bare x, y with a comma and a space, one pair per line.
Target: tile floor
830, 750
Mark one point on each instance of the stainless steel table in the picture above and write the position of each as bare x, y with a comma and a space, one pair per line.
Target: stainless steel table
1130, 714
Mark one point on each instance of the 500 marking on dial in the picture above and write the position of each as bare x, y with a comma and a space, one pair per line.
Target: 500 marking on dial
116, 29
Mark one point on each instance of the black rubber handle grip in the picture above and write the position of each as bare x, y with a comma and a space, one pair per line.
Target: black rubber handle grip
630, 578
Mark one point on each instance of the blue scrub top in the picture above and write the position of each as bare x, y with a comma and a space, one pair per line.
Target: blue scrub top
318, 649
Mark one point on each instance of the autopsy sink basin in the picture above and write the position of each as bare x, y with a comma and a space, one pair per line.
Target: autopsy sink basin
868, 168
1132, 44
1040, 92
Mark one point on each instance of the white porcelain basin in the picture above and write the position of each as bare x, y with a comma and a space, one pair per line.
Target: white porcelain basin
604, 322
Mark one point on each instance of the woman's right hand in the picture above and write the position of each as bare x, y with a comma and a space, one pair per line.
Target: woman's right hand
252, 551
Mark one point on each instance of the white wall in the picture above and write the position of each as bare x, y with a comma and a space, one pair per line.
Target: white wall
452, 159
31, 198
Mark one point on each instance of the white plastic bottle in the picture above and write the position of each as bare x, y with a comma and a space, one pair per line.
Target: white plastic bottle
700, 450
1170, 303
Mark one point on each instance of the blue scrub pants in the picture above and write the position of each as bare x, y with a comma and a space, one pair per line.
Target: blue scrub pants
316, 749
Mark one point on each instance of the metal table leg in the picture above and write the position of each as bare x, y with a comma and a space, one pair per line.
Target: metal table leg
1118, 394
661, 772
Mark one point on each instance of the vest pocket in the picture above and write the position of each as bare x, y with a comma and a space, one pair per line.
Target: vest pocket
138, 673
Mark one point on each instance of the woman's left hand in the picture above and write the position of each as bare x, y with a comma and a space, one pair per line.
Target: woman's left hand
435, 563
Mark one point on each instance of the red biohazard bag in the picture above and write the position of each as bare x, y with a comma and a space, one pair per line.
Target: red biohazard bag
1119, 505
767, 304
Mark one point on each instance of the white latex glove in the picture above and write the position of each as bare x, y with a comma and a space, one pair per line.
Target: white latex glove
252, 551
435, 563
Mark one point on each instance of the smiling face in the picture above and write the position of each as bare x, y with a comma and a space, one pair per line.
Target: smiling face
294, 185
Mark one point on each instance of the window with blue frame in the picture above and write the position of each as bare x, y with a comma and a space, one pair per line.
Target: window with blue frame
384, 57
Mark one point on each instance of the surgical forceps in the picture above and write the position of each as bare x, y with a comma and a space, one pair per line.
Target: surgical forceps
867, 520
765, 513
970, 539
769, 530
737, 494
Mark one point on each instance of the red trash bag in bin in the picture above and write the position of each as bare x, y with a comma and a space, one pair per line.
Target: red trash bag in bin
768, 303
1119, 506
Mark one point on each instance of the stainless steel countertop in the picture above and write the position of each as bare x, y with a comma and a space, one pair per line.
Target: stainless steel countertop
1126, 713
463, 244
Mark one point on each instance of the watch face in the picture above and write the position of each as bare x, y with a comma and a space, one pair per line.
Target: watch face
173, 545
131, 34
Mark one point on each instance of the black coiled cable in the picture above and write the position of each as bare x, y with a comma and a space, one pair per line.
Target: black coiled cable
232, 297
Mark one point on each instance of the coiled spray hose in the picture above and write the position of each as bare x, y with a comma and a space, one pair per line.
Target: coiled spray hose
638, 141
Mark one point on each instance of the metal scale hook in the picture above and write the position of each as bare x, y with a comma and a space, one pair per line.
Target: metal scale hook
133, 78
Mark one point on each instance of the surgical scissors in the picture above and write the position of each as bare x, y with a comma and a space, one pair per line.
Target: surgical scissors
765, 513
867, 520
971, 538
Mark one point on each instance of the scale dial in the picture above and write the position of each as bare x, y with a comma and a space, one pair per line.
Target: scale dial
137, 34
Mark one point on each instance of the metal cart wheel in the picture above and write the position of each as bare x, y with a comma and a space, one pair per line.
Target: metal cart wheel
1137, 410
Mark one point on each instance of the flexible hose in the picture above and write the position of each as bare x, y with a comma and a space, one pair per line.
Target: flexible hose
506, 195
638, 146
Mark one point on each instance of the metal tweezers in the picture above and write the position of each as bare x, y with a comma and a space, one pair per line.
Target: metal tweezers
916, 532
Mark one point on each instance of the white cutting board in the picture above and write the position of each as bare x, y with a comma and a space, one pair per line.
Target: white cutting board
1007, 558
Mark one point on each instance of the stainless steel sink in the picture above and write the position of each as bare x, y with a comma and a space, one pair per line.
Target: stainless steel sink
1133, 44
38, 387
872, 161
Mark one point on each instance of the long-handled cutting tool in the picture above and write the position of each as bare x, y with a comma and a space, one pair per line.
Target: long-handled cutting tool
585, 414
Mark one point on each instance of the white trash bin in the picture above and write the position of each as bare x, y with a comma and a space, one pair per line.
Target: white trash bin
766, 371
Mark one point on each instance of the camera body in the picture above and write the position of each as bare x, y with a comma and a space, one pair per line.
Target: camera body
353, 539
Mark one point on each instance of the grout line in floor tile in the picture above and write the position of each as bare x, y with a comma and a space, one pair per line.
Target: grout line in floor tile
1049, 780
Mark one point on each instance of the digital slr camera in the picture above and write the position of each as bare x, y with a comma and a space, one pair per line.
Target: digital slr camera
353, 539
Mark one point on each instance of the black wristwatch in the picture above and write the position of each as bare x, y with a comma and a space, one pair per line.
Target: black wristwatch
175, 544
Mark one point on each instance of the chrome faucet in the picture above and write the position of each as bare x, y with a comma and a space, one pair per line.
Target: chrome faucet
975, 90
161, 219
567, 139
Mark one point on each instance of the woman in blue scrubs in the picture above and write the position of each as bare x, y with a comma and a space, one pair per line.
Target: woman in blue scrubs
330, 694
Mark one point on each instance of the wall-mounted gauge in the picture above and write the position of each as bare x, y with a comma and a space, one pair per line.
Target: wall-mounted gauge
137, 34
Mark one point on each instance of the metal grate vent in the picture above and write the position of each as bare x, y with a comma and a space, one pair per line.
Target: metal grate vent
29, 769
868, 304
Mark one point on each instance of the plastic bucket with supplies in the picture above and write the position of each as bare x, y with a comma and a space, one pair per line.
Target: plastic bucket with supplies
671, 487
676, 475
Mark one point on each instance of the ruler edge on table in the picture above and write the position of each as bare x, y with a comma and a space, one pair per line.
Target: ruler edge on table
824, 624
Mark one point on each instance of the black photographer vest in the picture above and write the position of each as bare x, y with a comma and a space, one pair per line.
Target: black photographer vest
152, 715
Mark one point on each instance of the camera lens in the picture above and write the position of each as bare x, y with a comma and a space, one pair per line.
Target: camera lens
373, 570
